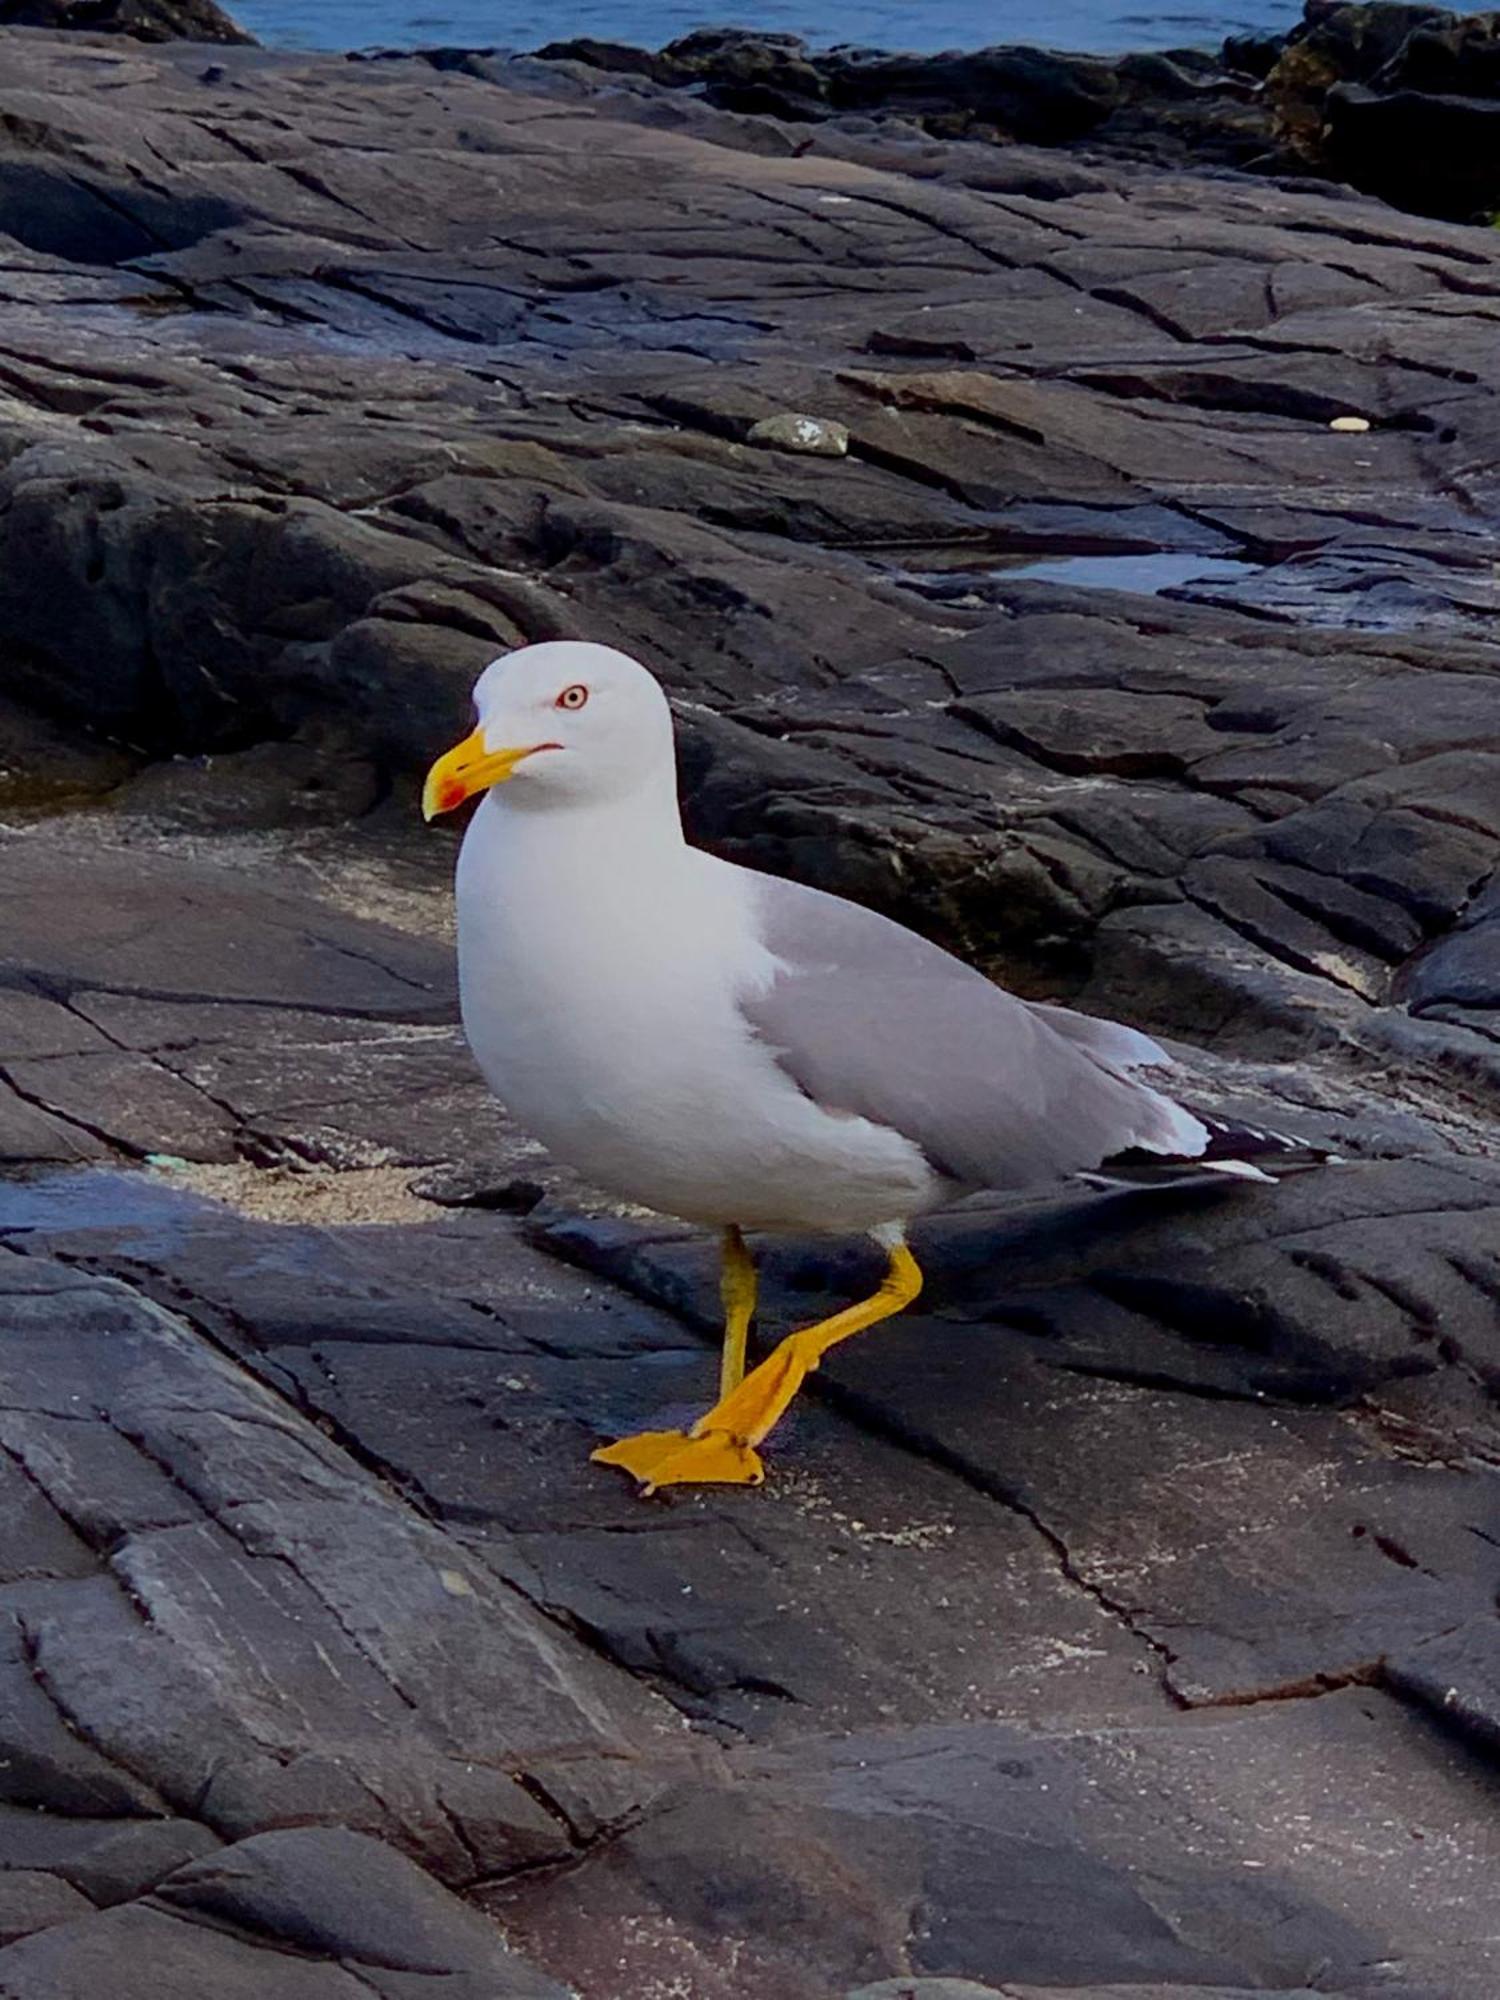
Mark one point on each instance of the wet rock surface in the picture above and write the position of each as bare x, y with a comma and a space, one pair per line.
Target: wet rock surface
143, 20
1400, 100
1403, 101
1123, 1622
1186, 105
1146, 1576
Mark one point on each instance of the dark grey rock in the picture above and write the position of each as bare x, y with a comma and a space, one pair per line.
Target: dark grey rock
106, 1860
1120, 1618
43, 767
916, 731
31, 1900
345, 1897
1456, 1675
137, 1951
146, 20
1064, 1861
926, 1989
135, 1664
1399, 99
1079, 1341
103, 933
47, 1766
268, 785
968, 1989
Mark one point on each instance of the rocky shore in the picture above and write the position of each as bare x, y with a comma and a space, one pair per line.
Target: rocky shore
1402, 101
1089, 558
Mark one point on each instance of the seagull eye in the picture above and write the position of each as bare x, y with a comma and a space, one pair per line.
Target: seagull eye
573, 697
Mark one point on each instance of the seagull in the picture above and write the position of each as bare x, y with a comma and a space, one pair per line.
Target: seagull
746, 1052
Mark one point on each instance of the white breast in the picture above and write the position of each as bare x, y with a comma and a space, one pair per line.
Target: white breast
599, 972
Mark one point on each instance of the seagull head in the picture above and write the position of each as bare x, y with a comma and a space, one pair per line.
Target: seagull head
565, 722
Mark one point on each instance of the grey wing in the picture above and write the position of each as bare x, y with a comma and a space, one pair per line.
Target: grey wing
1109, 1042
867, 1017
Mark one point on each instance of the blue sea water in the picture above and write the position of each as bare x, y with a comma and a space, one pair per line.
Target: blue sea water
1101, 26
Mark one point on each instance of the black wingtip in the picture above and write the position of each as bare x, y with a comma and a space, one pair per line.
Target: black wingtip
1235, 1150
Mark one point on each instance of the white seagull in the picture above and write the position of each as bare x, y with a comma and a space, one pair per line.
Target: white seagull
734, 1049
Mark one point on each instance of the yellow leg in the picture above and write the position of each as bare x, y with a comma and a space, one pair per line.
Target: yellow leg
737, 1289
720, 1448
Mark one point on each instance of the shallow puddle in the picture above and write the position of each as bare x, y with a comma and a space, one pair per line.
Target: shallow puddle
58, 1198
1150, 575
1146, 573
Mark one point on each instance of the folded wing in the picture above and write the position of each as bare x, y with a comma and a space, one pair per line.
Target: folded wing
867, 1017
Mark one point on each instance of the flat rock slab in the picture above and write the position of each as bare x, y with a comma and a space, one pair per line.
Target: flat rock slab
1259, 805
313, 1913
1121, 1623
1124, 1616
1071, 1861
155, 1006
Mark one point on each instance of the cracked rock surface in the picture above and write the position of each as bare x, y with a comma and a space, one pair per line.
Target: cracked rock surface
1120, 1626
1127, 1614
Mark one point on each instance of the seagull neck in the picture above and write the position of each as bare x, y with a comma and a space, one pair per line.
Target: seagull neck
642, 828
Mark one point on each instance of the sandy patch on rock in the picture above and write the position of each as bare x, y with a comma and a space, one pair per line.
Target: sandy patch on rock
363, 1195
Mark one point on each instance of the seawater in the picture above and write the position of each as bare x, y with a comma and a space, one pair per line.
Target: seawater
1102, 27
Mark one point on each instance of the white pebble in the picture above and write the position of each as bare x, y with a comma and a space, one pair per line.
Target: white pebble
793, 432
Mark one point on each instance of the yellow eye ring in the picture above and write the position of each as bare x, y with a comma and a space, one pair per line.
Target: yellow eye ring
573, 697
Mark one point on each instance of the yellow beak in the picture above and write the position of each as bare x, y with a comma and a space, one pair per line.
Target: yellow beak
469, 767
